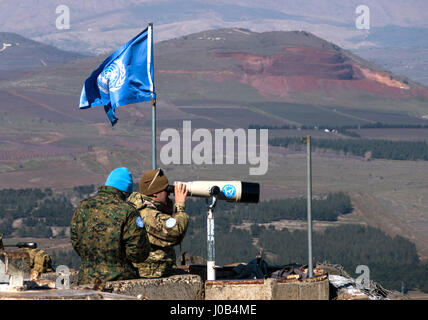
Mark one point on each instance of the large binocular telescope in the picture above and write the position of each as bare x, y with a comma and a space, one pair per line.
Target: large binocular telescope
232, 191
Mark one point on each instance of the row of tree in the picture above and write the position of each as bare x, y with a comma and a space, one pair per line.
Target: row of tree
376, 125
38, 210
16, 203
379, 149
392, 261
327, 208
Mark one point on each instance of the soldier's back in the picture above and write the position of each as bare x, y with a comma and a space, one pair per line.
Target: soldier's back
97, 235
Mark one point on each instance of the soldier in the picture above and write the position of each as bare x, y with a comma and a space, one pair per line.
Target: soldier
166, 224
108, 233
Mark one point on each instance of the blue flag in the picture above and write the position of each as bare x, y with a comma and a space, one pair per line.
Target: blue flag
125, 77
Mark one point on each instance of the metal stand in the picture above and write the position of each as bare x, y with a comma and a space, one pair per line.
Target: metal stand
210, 233
309, 200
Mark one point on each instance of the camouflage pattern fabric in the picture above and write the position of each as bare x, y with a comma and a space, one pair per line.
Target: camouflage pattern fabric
40, 260
166, 227
105, 234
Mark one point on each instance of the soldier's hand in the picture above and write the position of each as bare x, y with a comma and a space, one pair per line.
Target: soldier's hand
180, 192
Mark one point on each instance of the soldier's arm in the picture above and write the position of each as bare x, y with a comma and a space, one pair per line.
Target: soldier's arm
75, 230
169, 229
137, 244
182, 219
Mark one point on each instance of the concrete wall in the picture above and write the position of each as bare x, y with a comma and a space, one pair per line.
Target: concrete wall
268, 289
179, 287
308, 289
192, 287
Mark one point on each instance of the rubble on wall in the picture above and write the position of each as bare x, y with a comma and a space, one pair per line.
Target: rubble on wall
344, 287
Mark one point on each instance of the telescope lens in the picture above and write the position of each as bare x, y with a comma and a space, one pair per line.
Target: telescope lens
250, 192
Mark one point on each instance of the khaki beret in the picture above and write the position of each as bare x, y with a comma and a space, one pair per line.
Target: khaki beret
153, 181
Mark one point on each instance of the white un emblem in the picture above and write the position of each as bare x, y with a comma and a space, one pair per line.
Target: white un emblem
112, 77
229, 190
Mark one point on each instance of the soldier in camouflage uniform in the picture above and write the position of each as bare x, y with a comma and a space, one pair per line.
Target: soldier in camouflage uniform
166, 224
108, 233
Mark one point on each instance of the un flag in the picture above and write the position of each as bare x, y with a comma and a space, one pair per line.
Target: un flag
125, 77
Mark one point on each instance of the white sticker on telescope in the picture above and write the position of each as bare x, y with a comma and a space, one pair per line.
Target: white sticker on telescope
229, 190
170, 223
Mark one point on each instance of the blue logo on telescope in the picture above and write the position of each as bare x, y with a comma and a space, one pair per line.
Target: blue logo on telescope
229, 190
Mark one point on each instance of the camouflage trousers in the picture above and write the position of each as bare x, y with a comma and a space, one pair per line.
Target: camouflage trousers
160, 263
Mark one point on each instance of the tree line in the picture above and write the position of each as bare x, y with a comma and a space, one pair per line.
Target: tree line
376, 125
344, 130
379, 149
392, 261
327, 208
38, 209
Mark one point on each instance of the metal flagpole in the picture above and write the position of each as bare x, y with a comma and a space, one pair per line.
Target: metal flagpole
149, 63
309, 176
154, 134
210, 244
214, 192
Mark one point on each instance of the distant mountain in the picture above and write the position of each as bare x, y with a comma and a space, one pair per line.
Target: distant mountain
282, 74
279, 66
97, 27
100, 27
223, 78
17, 52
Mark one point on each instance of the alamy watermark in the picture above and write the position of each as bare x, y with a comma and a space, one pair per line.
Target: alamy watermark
63, 20
63, 280
363, 20
363, 281
218, 150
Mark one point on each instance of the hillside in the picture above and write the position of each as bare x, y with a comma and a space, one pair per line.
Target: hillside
244, 68
271, 78
286, 66
18, 53
98, 29
230, 78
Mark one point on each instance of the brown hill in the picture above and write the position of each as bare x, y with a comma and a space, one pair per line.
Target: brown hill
278, 64
246, 69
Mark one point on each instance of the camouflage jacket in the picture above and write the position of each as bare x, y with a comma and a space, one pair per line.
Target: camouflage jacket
166, 227
105, 234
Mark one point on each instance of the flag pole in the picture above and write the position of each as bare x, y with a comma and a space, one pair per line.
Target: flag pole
154, 134
309, 201
151, 46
